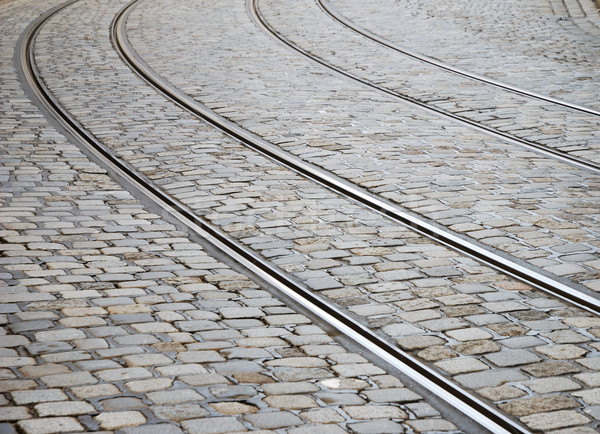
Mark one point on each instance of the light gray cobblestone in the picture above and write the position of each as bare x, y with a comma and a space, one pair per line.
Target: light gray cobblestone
144, 266
112, 313
476, 46
528, 211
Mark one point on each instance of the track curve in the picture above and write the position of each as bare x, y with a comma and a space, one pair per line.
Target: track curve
576, 294
474, 408
582, 163
334, 315
339, 17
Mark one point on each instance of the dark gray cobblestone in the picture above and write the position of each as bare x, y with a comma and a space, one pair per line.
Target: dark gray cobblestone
526, 205
434, 303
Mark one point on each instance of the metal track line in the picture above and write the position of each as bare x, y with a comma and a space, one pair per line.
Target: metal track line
436, 383
573, 293
338, 16
509, 138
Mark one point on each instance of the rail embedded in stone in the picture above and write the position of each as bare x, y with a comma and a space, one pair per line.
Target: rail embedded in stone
573, 293
172, 210
339, 17
580, 163
569, 291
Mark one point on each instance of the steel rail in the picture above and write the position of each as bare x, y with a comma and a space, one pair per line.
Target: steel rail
509, 138
578, 295
468, 405
573, 293
334, 13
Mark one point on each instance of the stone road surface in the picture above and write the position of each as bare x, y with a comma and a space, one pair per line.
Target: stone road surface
533, 207
114, 320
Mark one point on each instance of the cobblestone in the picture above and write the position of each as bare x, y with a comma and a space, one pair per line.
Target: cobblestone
51, 425
114, 294
477, 53
115, 324
344, 165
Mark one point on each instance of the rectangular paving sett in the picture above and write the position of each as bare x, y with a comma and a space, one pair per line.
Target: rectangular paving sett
114, 319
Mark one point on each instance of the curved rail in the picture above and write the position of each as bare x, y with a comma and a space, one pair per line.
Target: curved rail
573, 293
576, 294
509, 138
339, 17
470, 406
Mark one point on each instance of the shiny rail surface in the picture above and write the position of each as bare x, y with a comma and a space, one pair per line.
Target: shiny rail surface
339, 17
172, 210
581, 163
573, 293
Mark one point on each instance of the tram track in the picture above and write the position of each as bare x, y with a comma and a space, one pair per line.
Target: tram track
329, 313
522, 272
573, 293
314, 173
260, 20
479, 411
334, 13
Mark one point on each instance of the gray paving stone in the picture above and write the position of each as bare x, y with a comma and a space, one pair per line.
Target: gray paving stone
392, 395
273, 420
529, 406
120, 419
545, 325
562, 351
51, 425
375, 412
122, 403
71, 379
180, 412
21, 397
461, 365
236, 366
428, 425
486, 379
287, 388
340, 398
233, 392
547, 369
512, 358
421, 409
443, 324
552, 384
373, 427
174, 396
161, 428
522, 342
556, 420
146, 247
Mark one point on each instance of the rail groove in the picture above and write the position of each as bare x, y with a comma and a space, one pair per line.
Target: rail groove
506, 137
574, 294
465, 403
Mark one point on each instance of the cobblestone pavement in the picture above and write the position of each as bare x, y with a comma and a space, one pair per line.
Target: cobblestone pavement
304, 23
550, 46
112, 320
111, 308
530, 206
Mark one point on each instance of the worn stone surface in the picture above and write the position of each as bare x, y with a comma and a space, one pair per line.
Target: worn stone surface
136, 308
101, 297
530, 234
